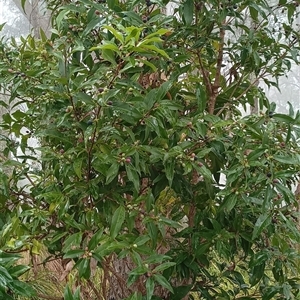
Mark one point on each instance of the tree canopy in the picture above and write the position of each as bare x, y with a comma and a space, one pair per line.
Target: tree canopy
127, 155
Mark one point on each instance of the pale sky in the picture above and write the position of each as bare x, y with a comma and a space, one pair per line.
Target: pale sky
16, 23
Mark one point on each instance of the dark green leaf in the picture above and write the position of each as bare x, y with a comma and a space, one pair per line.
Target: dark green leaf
117, 221
164, 266
74, 253
262, 223
163, 282
150, 287
188, 11
133, 176
112, 172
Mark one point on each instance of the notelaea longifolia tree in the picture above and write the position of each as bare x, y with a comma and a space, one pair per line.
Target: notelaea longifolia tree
126, 125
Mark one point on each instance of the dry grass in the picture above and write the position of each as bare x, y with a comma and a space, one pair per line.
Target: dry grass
49, 276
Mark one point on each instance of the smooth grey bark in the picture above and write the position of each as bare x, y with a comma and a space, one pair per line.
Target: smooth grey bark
38, 16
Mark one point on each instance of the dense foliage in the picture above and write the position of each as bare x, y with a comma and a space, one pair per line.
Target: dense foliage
126, 152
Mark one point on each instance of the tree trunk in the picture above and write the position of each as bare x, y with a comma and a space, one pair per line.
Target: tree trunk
38, 16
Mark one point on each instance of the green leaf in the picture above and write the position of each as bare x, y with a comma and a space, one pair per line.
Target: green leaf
160, 31
283, 118
94, 241
170, 222
145, 48
90, 26
257, 274
170, 169
270, 293
229, 202
60, 17
277, 271
23, 4
109, 46
84, 269
117, 221
289, 197
153, 233
188, 12
287, 159
150, 287
255, 154
77, 165
181, 291
74, 253
5, 276
111, 4
73, 240
141, 240
36, 247
19, 270
109, 56
157, 258
133, 176
164, 266
112, 172
253, 13
118, 35
69, 296
201, 98
262, 222
22, 288
163, 282
8, 257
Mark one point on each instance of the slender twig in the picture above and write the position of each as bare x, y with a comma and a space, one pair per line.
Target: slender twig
30, 180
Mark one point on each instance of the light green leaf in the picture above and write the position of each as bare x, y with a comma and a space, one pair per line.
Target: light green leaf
60, 17
149, 40
146, 48
118, 35
109, 46
161, 31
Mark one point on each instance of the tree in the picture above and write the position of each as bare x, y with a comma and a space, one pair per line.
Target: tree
137, 115
15, 24
37, 15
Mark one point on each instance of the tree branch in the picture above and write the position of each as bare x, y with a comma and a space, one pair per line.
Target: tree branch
216, 84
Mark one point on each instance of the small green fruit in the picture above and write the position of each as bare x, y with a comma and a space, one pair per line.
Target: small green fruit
69, 109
